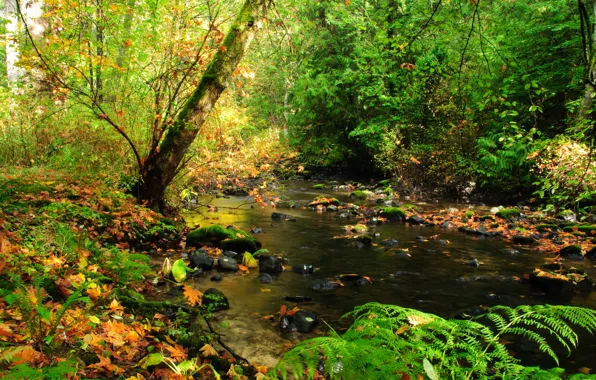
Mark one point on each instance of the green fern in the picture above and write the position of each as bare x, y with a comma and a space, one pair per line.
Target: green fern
387, 341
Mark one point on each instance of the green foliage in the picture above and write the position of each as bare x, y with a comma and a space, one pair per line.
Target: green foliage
41, 321
386, 340
62, 370
318, 186
123, 267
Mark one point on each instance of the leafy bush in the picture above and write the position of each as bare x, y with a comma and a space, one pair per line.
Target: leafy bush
387, 341
567, 174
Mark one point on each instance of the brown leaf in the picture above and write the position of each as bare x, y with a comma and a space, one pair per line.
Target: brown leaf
193, 296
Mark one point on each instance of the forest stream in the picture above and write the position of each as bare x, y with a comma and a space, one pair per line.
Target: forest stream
435, 278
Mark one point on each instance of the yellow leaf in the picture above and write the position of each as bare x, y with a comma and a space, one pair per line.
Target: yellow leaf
94, 319
207, 350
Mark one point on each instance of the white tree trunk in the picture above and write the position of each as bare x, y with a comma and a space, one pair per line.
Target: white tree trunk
32, 11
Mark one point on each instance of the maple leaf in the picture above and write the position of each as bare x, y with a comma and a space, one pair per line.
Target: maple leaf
193, 296
115, 307
207, 350
176, 351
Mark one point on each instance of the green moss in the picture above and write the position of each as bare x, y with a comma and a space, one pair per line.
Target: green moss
239, 245
388, 190
384, 183
468, 215
487, 217
587, 228
318, 186
392, 213
361, 194
213, 235
508, 213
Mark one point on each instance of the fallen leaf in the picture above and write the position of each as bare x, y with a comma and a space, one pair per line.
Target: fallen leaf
193, 296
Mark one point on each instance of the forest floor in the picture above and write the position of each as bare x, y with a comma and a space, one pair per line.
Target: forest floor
74, 274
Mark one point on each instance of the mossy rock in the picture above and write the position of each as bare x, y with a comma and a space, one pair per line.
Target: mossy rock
508, 213
365, 239
239, 245
487, 217
590, 228
213, 235
587, 228
325, 201
384, 183
358, 228
388, 190
392, 213
545, 227
362, 194
468, 215
571, 250
318, 186
494, 225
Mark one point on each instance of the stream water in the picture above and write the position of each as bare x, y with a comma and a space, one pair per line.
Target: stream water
435, 279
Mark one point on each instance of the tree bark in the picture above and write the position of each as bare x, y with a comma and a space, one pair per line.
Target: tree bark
161, 165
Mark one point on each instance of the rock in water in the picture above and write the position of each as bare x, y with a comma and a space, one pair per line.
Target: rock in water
214, 300
227, 264
269, 264
265, 278
303, 268
201, 260
303, 321
474, 263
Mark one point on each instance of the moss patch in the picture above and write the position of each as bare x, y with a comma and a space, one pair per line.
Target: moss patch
362, 194
508, 213
468, 215
318, 186
392, 213
213, 235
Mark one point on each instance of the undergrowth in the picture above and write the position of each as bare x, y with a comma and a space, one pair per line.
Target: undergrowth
387, 341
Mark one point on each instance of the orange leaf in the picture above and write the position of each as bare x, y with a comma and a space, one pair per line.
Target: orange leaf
193, 296
293, 311
283, 310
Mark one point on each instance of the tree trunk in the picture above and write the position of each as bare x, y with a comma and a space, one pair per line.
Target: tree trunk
161, 165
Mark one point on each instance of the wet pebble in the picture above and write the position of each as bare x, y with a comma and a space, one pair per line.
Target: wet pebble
474, 263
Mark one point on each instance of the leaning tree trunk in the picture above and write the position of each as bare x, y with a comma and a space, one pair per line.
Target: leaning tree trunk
161, 165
